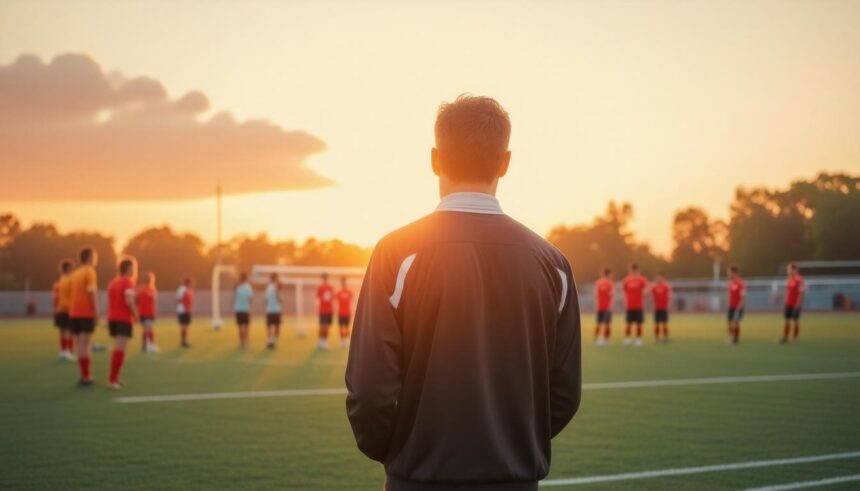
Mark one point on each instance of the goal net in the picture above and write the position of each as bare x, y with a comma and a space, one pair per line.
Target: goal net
299, 282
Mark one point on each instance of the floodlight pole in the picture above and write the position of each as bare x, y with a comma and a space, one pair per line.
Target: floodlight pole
218, 257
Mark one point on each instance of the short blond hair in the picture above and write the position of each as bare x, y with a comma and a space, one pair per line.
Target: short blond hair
472, 136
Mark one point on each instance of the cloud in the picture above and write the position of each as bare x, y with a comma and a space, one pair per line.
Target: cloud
70, 131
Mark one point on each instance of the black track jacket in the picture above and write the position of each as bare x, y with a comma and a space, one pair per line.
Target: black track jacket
465, 357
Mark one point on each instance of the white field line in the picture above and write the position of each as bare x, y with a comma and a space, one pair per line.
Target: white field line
638, 384
250, 361
698, 470
285, 363
808, 484
718, 380
232, 395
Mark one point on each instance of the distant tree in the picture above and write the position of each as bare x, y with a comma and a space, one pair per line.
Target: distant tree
245, 252
35, 252
9, 228
832, 203
606, 242
698, 242
171, 256
812, 219
249, 251
332, 253
766, 230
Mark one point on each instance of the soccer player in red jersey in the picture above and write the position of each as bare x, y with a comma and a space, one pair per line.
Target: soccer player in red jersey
325, 307
62, 302
634, 286
661, 294
604, 290
84, 310
184, 303
122, 314
737, 297
344, 311
795, 288
146, 306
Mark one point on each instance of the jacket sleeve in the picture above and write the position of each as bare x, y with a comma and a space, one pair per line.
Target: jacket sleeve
373, 371
566, 369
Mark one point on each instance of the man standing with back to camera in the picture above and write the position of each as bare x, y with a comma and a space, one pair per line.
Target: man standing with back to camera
465, 356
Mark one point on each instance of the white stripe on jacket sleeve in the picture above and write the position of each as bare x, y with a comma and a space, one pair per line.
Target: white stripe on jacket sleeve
401, 279
563, 290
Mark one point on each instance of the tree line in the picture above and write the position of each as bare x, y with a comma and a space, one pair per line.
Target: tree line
29, 256
813, 219
766, 228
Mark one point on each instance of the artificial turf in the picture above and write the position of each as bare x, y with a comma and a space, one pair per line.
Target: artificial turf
58, 436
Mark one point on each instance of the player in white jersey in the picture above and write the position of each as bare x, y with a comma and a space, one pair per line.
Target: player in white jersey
273, 311
184, 304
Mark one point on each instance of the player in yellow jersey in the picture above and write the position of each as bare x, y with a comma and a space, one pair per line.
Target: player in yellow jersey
62, 302
84, 310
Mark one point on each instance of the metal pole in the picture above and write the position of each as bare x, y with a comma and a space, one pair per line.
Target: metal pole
216, 271
218, 256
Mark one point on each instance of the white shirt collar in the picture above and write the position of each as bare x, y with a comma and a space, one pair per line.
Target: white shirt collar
470, 203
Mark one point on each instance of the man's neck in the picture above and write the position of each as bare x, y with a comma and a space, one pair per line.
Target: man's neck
446, 187
470, 202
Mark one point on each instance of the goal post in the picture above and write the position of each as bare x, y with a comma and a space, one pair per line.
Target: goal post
299, 277
218, 271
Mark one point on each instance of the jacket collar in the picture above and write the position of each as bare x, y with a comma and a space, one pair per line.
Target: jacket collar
470, 203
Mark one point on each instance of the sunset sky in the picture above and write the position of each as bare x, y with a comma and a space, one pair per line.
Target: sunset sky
317, 117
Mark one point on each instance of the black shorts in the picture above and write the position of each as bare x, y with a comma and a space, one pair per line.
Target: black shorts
343, 320
184, 318
119, 329
147, 320
792, 313
661, 316
61, 320
604, 316
325, 319
735, 315
273, 319
80, 325
243, 318
635, 316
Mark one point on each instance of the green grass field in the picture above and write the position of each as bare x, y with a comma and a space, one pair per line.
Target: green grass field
55, 435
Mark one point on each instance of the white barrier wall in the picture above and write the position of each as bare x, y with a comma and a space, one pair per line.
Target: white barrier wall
14, 303
763, 294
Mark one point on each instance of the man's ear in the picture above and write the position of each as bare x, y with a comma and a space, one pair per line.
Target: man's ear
506, 162
434, 161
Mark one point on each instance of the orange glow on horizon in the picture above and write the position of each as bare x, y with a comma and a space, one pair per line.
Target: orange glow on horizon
663, 104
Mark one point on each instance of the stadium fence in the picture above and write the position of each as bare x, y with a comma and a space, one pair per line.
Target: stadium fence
689, 295
763, 294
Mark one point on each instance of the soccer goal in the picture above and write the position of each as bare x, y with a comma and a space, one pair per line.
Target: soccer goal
217, 273
300, 282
